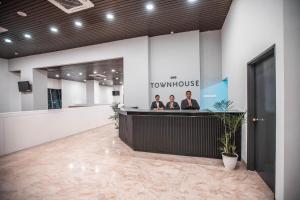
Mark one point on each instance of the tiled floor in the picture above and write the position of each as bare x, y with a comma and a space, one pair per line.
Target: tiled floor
97, 165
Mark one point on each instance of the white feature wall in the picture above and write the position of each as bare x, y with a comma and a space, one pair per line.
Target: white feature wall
10, 99
174, 55
249, 29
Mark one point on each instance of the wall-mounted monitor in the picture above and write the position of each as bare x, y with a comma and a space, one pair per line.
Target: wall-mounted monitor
116, 93
24, 86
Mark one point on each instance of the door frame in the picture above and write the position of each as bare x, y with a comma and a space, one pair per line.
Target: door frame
251, 104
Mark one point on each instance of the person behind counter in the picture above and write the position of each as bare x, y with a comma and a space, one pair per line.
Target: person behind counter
172, 105
157, 104
189, 103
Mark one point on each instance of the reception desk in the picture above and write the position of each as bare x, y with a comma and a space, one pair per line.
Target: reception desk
189, 133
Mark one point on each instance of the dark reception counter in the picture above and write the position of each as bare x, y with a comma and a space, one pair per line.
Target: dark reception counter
190, 133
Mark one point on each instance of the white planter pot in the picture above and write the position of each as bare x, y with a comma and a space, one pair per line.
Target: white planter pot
229, 162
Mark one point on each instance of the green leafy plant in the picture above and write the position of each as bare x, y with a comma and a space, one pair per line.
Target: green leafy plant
232, 122
115, 116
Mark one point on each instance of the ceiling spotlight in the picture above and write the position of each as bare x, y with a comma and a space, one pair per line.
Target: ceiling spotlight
95, 72
68, 74
57, 76
105, 79
121, 82
27, 36
191, 1
84, 80
80, 73
113, 70
7, 40
54, 29
172, 32
110, 16
22, 14
117, 78
149, 6
78, 24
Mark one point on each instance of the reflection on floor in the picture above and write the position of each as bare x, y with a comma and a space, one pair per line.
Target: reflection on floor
97, 165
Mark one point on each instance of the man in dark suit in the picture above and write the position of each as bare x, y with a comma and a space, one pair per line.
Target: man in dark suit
157, 104
172, 105
189, 103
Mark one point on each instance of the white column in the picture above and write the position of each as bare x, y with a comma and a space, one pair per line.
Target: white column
40, 89
90, 92
27, 98
38, 98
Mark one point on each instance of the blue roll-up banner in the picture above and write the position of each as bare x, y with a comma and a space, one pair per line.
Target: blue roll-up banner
212, 94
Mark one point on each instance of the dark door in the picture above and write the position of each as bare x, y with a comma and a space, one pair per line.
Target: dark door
263, 117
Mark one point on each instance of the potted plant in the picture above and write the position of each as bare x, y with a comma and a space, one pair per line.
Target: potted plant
231, 122
115, 116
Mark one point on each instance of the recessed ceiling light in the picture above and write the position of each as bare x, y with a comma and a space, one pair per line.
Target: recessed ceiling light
7, 40
110, 16
191, 1
80, 73
113, 70
27, 36
68, 74
105, 79
172, 32
16, 53
84, 80
121, 82
78, 23
117, 78
57, 76
95, 72
149, 6
53, 29
22, 14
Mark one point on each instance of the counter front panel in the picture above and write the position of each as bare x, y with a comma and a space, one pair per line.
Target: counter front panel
190, 133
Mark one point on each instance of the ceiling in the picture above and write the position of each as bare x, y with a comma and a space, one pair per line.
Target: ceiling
131, 19
99, 70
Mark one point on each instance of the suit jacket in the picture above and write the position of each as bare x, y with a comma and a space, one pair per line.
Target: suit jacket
175, 105
185, 105
153, 105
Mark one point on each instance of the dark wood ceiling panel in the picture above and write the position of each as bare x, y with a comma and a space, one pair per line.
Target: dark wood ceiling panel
82, 72
131, 20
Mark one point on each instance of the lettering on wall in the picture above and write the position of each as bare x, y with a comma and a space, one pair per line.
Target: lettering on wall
173, 83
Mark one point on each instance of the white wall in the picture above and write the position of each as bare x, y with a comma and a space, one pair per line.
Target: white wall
210, 58
9, 92
134, 52
54, 83
292, 99
250, 28
103, 94
174, 55
118, 99
25, 129
73, 93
